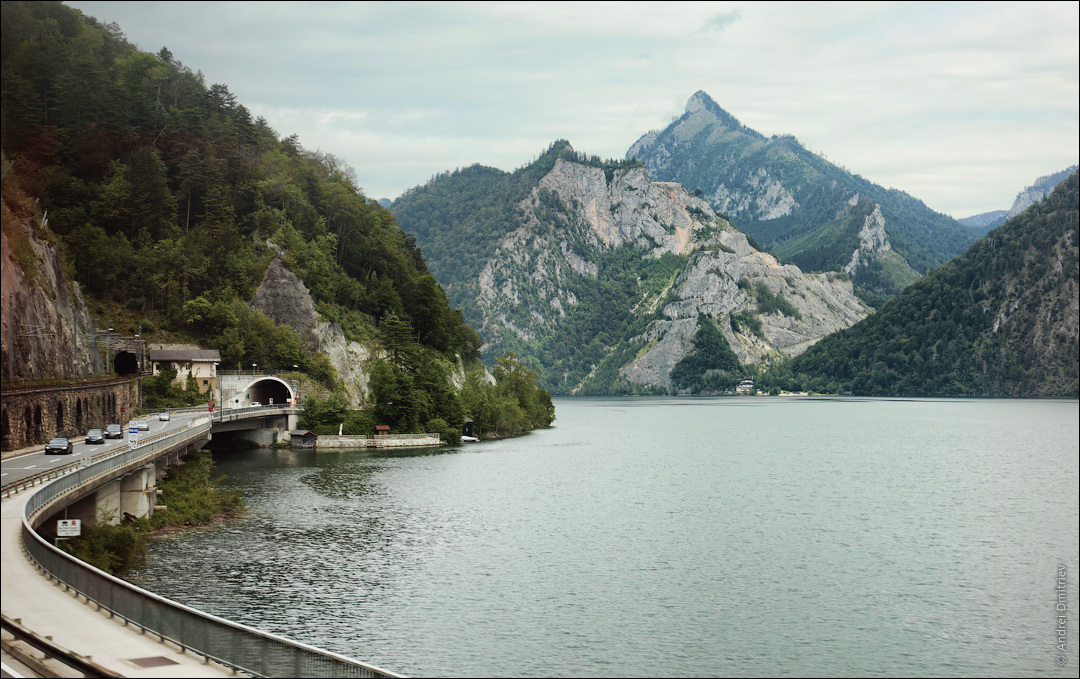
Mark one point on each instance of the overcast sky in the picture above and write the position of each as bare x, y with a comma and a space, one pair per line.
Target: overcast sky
961, 105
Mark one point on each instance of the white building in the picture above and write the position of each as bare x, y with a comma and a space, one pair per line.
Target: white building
199, 363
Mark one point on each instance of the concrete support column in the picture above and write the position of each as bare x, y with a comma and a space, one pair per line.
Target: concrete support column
138, 492
107, 503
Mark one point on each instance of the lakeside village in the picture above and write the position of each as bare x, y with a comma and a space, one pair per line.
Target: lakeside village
267, 388
187, 373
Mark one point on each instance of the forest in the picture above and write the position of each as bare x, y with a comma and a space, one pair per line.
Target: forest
168, 200
999, 320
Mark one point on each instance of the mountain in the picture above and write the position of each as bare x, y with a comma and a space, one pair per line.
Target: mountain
608, 281
1043, 187
999, 320
180, 216
982, 224
801, 207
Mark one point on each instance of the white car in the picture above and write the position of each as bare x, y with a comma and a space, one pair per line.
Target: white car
142, 425
256, 404
164, 417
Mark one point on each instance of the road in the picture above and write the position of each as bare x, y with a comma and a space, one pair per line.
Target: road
14, 469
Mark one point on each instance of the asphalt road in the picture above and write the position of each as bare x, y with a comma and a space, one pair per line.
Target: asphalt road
17, 468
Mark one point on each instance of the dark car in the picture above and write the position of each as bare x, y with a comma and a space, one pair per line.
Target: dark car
114, 431
59, 446
95, 436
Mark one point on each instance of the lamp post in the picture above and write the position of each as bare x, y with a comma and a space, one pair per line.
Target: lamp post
108, 348
300, 384
220, 390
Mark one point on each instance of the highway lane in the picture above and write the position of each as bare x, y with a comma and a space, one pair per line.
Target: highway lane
15, 469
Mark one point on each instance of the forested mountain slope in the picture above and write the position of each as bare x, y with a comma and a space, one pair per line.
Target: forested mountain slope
169, 201
606, 280
798, 205
999, 320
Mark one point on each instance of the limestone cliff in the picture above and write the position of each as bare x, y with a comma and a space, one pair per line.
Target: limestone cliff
583, 227
284, 298
45, 326
788, 199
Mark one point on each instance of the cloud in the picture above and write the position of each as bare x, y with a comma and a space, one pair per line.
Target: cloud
959, 104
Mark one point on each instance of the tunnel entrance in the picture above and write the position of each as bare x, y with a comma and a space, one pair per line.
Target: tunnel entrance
267, 391
125, 363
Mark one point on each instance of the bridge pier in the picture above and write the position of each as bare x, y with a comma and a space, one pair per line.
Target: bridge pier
138, 492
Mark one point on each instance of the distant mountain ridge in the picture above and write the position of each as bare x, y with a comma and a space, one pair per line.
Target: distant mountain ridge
981, 224
1002, 319
798, 205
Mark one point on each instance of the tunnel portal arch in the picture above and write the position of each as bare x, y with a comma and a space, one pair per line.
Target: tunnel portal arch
125, 363
264, 390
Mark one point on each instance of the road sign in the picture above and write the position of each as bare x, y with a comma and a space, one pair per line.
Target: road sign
122, 409
69, 528
210, 405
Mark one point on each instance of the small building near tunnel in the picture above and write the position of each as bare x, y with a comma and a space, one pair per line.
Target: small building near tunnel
199, 363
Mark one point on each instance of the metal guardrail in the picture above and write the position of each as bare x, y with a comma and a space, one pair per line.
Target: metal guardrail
231, 644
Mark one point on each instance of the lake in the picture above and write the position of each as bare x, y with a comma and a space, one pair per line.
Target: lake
668, 537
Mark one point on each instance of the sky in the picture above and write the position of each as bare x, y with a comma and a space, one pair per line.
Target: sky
960, 104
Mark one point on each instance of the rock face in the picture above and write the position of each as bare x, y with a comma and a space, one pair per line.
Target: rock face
789, 199
46, 327
982, 224
1037, 192
286, 300
583, 226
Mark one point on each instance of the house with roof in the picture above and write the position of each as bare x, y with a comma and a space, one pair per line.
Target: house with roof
199, 363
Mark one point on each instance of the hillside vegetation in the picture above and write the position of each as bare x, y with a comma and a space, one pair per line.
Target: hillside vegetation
1000, 320
169, 200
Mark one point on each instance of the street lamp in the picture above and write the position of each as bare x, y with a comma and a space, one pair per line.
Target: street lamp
299, 388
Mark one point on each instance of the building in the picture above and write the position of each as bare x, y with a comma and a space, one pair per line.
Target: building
199, 363
746, 387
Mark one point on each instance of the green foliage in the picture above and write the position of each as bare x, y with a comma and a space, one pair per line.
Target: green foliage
164, 193
113, 548
746, 322
769, 302
192, 497
709, 366
161, 391
514, 404
996, 321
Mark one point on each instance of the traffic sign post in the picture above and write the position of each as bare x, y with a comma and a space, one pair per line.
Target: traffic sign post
133, 435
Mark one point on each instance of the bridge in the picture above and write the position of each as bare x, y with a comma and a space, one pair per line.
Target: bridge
43, 585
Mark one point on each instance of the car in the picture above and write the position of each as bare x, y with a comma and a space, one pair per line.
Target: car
114, 431
256, 404
95, 436
164, 417
142, 425
59, 446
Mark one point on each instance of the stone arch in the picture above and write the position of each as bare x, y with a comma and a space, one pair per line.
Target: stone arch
126, 363
5, 430
59, 417
78, 414
39, 425
263, 389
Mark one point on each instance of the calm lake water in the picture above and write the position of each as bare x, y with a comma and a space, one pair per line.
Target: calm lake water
668, 537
